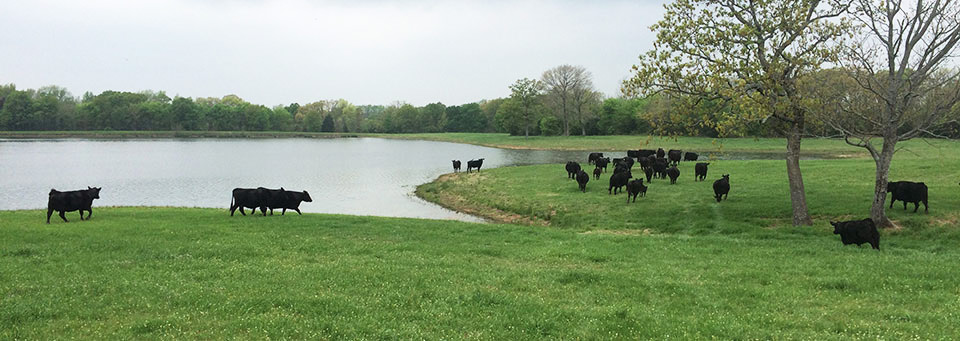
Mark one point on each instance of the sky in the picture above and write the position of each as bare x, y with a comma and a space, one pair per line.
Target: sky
286, 51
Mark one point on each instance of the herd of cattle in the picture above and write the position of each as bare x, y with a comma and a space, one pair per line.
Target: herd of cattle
252, 198
655, 164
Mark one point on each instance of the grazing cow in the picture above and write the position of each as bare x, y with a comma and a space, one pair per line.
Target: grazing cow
675, 155
592, 159
645, 161
80, 200
474, 164
646, 153
596, 173
690, 156
660, 153
602, 163
673, 173
857, 232
618, 180
252, 198
633, 153
456, 166
636, 187
660, 167
572, 169
284, 199
648, 172
582, 179
906, 191
701, 171
721, 187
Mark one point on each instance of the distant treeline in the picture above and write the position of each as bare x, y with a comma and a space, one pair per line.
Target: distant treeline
54, 108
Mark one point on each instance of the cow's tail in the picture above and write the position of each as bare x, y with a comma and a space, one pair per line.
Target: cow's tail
231, 202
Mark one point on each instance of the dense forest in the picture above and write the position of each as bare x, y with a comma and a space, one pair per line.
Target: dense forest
562, 102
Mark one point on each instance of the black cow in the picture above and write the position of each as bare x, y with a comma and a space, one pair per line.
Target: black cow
906, 191
79, 200
700, 170
645, 161
597, 172
636, 187
648, 172
602, 163
582, 179
690, 156
252, 198
673, 173
646, 153
675, 155
721, 187
618, 180
474, 164
633, 153
660, 167
660, 153
593, 157
572, 169
857, 232
456, 166
284, 199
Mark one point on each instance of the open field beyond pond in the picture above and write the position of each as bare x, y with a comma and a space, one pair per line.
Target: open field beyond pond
198, 273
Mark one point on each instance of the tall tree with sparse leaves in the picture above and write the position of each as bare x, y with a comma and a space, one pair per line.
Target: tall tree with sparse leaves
907, 87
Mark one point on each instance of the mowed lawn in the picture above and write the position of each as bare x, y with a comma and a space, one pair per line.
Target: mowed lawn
197, 273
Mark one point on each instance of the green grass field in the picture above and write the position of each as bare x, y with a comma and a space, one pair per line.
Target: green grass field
675, 264
173, 273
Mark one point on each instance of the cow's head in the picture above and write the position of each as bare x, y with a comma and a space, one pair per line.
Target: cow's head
727, 177
306, 197
94, 192
892, 186
836, 226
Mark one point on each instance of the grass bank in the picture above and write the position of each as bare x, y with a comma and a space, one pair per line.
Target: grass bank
200, 274
758, 205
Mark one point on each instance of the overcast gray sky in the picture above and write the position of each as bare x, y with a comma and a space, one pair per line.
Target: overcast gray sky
279, 52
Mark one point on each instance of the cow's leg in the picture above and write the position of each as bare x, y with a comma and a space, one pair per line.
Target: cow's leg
49, 213
271, 211
81, 214
89, 213
904, 205
916, 206
232, 209
263, 210
298, 211
241, 211
891, 201
63, 216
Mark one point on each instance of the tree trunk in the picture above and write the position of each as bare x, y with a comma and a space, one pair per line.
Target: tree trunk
883, 160
798, 196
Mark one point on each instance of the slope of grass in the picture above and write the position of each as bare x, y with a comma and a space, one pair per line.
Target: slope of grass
758, 203
178, 273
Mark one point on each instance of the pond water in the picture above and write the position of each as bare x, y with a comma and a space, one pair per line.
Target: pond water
359, 176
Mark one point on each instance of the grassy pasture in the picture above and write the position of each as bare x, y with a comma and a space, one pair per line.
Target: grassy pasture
675, 264
178, 273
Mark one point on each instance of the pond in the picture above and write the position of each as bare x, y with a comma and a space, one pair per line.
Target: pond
358, 176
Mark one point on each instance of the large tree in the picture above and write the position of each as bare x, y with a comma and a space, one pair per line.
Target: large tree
525, 98
750, 54
906, 88
562, 84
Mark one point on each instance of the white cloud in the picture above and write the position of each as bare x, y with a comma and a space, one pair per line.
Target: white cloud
277, 52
